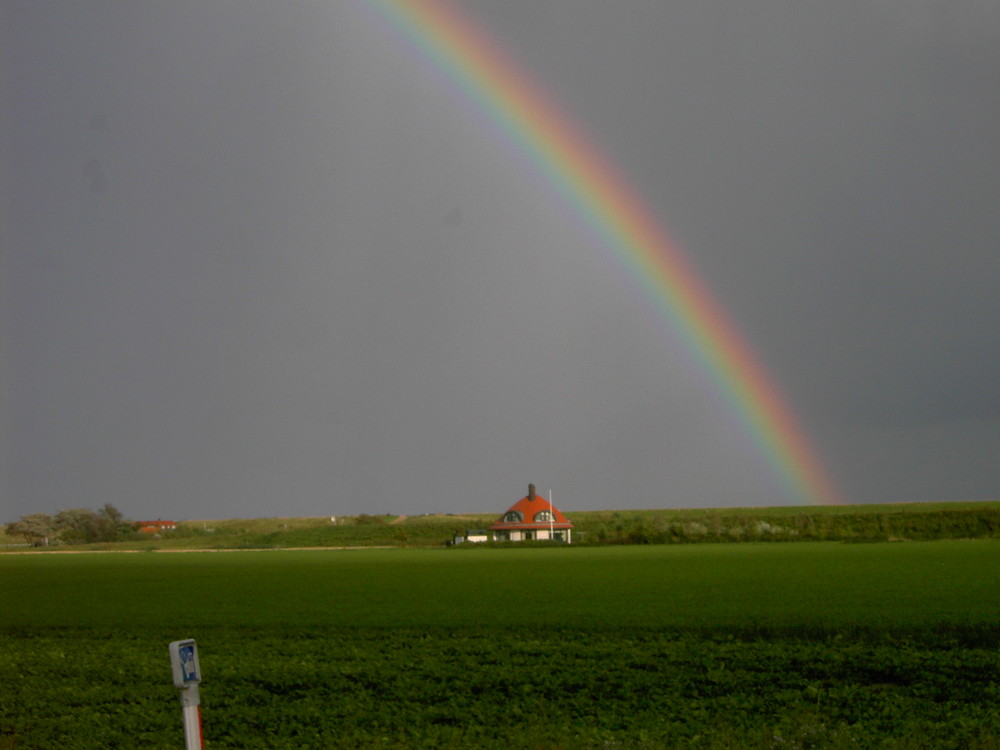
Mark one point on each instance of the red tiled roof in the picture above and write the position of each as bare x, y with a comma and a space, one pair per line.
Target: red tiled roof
151, 527
528, 509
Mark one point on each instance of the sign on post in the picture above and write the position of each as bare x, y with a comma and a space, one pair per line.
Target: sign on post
184, 661
187, 675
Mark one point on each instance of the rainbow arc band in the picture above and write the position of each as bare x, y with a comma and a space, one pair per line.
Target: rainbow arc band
614, 210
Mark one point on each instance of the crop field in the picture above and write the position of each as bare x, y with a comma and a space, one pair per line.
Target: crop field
803, 645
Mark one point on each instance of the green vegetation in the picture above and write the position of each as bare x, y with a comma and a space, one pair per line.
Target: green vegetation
73, 526
856, 523
698, 646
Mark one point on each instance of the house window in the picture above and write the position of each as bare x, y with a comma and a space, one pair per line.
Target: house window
513, 516
543, 516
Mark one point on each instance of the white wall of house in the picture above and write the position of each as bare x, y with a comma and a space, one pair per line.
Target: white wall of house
561, 535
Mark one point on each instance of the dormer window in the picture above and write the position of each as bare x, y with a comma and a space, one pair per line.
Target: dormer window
512, 516
543, 516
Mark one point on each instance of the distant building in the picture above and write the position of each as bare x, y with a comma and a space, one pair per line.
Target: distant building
532, 517
155, 527
472, 535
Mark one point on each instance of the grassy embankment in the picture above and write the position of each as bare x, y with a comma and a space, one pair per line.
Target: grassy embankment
916, 521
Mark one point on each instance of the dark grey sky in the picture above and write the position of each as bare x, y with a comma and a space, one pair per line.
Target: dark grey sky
260, 259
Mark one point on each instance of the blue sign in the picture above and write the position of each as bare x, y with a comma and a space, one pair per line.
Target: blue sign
189, 666
184, 664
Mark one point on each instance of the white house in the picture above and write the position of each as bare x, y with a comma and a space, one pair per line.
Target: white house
532, 517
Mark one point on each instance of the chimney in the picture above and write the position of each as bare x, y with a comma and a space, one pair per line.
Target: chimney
531, 493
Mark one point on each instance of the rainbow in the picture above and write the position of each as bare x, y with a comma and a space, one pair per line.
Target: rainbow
587, 179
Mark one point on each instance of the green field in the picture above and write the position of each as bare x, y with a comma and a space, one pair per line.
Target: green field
711, 645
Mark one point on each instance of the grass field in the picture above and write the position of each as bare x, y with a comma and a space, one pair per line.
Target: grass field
752, 645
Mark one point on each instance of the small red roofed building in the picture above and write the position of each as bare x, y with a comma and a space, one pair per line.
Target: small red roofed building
532, 517
155, 527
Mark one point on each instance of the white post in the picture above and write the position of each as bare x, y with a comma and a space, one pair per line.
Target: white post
193, 739
552, 519
187, 675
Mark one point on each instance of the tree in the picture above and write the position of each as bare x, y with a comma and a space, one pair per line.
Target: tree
112, 525
82, 526
74, 526
37, 528
77, 525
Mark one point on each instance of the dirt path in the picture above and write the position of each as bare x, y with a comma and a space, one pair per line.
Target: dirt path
400, 519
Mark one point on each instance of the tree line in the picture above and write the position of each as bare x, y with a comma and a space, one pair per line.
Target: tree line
862, 525
73, 526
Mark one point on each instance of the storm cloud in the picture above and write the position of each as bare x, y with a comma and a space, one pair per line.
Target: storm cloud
264, 259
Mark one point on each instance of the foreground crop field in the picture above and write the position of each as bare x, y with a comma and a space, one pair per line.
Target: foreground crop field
756, 645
